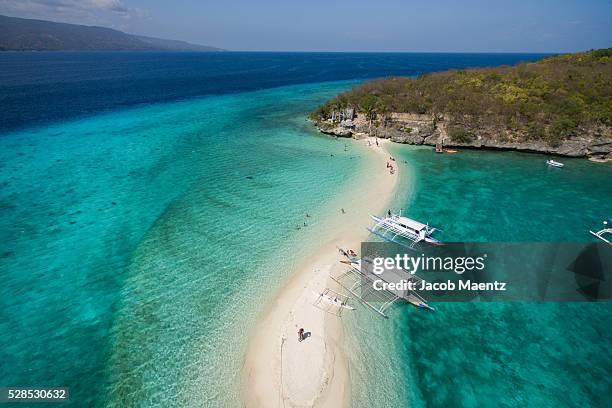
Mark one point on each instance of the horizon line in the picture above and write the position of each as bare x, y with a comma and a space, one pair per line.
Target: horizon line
224, 50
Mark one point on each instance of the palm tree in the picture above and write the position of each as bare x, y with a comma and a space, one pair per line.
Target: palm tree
383, 110
368, 107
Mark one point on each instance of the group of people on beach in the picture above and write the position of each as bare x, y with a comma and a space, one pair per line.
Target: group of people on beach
349, 253
390, 168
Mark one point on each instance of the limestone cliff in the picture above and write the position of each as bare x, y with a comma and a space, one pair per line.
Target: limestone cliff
558, 105
422, 129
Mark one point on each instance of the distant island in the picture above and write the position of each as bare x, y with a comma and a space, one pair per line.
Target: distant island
560, 105
21, 34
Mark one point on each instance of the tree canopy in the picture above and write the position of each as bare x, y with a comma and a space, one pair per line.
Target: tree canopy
549, 99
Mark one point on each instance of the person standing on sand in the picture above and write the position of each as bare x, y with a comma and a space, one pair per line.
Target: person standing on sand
301, 334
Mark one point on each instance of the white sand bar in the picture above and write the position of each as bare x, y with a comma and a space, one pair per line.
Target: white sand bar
280, 371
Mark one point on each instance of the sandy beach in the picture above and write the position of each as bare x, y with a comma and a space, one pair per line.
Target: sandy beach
280, 371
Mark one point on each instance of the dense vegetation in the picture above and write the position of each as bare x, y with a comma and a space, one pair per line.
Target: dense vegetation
551, 99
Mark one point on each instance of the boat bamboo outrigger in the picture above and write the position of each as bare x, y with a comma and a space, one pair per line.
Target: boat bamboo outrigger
607, 230
359, 282
394, 226
332, 302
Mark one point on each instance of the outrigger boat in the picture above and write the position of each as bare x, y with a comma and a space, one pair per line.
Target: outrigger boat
607, 230
554, 163
393, 226
359, 282
335, 299
332, 302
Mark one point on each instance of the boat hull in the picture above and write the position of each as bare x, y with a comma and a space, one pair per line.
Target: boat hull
554, 163
403, 233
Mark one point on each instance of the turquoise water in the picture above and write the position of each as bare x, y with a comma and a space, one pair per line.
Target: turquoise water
506, 196
139, 246
492, 354
139, 242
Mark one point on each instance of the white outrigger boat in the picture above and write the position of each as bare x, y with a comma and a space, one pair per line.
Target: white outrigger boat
335, 299
359, 282
607, 230
332, 302
554, 163
393, 226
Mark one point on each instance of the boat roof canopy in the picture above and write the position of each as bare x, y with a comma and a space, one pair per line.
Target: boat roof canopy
415, 225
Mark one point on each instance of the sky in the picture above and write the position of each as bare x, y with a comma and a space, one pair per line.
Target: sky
342, 25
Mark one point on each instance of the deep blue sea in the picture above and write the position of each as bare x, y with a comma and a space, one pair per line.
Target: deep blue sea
42, 87
148, 209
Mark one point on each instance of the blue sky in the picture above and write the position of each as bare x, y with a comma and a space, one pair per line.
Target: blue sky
341, 25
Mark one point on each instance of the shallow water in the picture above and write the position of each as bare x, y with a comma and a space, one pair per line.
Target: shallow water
133, 207
130, 261
492, 354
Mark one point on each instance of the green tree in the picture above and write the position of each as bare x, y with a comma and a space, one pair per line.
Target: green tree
547, 100
383, 110
368, 107
461, 135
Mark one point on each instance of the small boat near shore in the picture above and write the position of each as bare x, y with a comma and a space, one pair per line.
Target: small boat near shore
440, 148
332, 302
336, 299
395, 226
606, 233
554, 163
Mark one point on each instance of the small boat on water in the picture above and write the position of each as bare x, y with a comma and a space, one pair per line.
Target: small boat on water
605, 234
440, 148
395, 226
554, 163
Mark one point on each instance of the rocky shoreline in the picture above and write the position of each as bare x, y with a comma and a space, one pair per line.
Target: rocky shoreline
417, 129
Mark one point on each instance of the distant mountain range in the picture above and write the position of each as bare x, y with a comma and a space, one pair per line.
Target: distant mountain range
20, 34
